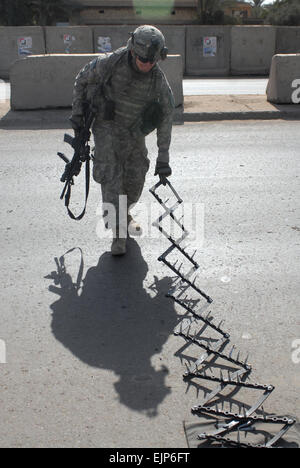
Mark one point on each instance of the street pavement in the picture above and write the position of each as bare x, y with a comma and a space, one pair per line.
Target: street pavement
96, 364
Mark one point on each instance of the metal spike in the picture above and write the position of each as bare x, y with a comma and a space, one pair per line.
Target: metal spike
244, 411
230, 353
221, 375
263, 412
238, 355
188, 386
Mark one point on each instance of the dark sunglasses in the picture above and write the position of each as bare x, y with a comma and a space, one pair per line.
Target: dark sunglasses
144, 60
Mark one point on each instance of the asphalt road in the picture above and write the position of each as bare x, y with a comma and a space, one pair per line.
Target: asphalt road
99, 366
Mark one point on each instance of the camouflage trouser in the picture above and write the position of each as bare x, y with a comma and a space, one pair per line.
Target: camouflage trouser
120, 165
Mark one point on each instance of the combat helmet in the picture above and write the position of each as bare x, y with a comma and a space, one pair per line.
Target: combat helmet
148, 44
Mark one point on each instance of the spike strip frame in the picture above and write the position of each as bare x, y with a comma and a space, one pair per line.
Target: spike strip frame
234, 421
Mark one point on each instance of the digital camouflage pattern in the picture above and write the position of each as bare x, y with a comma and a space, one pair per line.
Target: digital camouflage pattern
120, 159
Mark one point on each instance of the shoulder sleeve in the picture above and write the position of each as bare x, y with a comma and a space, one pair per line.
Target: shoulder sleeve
164, 131
86, 83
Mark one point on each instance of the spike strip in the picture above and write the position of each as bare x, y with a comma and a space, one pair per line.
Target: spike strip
229, 442
236, 421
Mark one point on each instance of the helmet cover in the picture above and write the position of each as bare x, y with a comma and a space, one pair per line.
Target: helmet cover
148, 43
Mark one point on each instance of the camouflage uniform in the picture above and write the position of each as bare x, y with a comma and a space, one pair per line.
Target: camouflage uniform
120, 159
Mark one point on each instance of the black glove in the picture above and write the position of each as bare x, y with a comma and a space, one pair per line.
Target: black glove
163, 170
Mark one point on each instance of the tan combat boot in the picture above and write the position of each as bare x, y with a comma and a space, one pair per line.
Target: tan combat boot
134, 229
118, 246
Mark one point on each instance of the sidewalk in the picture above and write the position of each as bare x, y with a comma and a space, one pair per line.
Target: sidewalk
196, 109
236, 107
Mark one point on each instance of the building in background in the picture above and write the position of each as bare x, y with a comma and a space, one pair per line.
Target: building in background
91, 12
237, 9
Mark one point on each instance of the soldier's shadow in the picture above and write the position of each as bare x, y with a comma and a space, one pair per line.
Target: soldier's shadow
115, 324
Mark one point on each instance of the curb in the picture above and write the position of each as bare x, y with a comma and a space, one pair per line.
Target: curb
251, 115
59, 118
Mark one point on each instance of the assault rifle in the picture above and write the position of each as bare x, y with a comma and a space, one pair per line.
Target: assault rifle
80, 144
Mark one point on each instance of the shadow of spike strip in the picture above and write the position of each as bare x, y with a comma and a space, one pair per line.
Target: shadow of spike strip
213, 348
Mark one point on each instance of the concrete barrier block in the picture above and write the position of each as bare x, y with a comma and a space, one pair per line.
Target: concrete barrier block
173, 69
175, 40
46, 81
69, 40
19, 42
284, 81
287, 40
109, 38
207, 50
252, 49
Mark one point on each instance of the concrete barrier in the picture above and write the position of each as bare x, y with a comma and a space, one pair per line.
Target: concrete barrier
287, 40
207, 50
108, 38
284, 81
69, 40
252, 49
46, 81
17, 42
175, 40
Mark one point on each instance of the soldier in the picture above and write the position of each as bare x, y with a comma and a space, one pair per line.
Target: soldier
132, 97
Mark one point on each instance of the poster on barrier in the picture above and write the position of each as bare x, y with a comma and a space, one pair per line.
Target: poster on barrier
24, 46
68, 42
104, 44
209, 46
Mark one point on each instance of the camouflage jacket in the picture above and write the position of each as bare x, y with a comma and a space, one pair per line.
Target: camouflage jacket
114, 79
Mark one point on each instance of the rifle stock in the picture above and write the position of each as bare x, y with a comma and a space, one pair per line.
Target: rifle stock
72, 168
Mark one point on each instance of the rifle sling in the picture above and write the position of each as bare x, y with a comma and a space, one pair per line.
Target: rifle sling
87, 188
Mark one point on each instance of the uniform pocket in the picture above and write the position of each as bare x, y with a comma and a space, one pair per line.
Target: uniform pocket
105, 164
